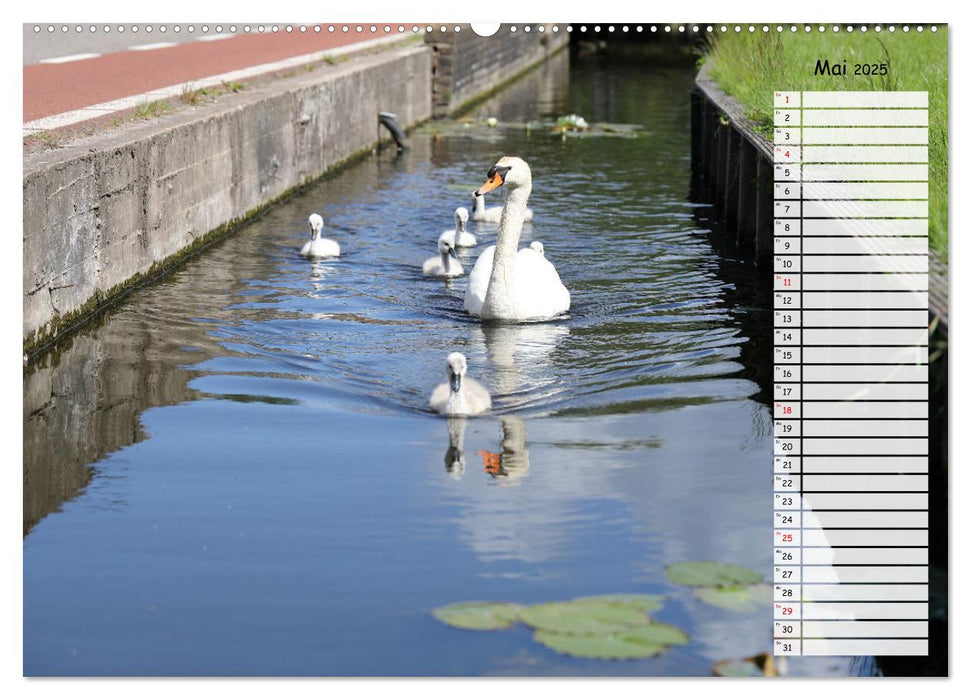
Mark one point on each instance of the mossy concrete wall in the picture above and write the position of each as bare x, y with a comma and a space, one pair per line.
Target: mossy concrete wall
466, 65
104, 211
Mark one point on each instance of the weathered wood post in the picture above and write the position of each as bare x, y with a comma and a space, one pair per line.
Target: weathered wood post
746, 194
764, 198
730, 207
721, 148
697, 145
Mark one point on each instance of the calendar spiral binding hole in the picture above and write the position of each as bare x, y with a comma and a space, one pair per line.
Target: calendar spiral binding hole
428, 29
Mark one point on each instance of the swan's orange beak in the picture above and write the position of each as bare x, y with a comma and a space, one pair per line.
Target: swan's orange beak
494, 181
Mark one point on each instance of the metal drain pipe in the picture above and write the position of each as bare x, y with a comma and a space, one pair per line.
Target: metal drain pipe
397, 133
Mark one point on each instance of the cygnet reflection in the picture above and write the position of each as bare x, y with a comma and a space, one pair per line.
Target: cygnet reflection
510, 463
320, 270
455, 454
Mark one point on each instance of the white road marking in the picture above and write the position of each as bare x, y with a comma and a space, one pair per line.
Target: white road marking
69, 59
150, 47
57, 121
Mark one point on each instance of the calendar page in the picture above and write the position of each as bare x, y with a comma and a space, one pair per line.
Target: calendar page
851, 430
521, 349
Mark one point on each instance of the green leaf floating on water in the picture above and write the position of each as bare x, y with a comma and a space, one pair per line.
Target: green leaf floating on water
478, 615
583, 617
656, 633
602, 646
737, 598
594, 627
617, 128
710, 573
639, 601
741, 668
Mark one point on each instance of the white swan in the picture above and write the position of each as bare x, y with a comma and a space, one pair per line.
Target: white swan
507, 283
460, 396
480, 212
459, 237
318, 247
538, 247
445, 265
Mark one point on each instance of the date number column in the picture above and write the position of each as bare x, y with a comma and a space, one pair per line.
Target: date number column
787, 371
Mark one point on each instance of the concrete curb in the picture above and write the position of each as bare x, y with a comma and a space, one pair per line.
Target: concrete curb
78, 116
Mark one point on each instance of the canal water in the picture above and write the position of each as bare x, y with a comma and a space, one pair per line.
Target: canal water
236, 472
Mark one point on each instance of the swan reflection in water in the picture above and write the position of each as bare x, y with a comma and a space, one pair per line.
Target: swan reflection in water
521, 371
521, 374
510, 463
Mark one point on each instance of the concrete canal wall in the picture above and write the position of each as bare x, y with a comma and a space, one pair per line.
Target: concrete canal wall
466, 66
107, 212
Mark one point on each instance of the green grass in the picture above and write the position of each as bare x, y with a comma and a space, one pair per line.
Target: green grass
751, 66
196, 96
155, 108
50, 139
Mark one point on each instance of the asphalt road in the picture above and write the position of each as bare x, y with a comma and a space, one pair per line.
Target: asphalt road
122, 66
45, 44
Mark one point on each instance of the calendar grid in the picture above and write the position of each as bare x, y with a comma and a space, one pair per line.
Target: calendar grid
850, 418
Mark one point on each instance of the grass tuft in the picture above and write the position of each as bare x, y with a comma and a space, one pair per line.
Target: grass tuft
49, 139
155, 108
195, 96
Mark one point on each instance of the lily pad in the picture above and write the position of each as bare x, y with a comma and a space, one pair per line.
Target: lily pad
583, 617
710, 573
618, 128
478, 615
737, 598
656, 633
639, 601
603, 646
737, 668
